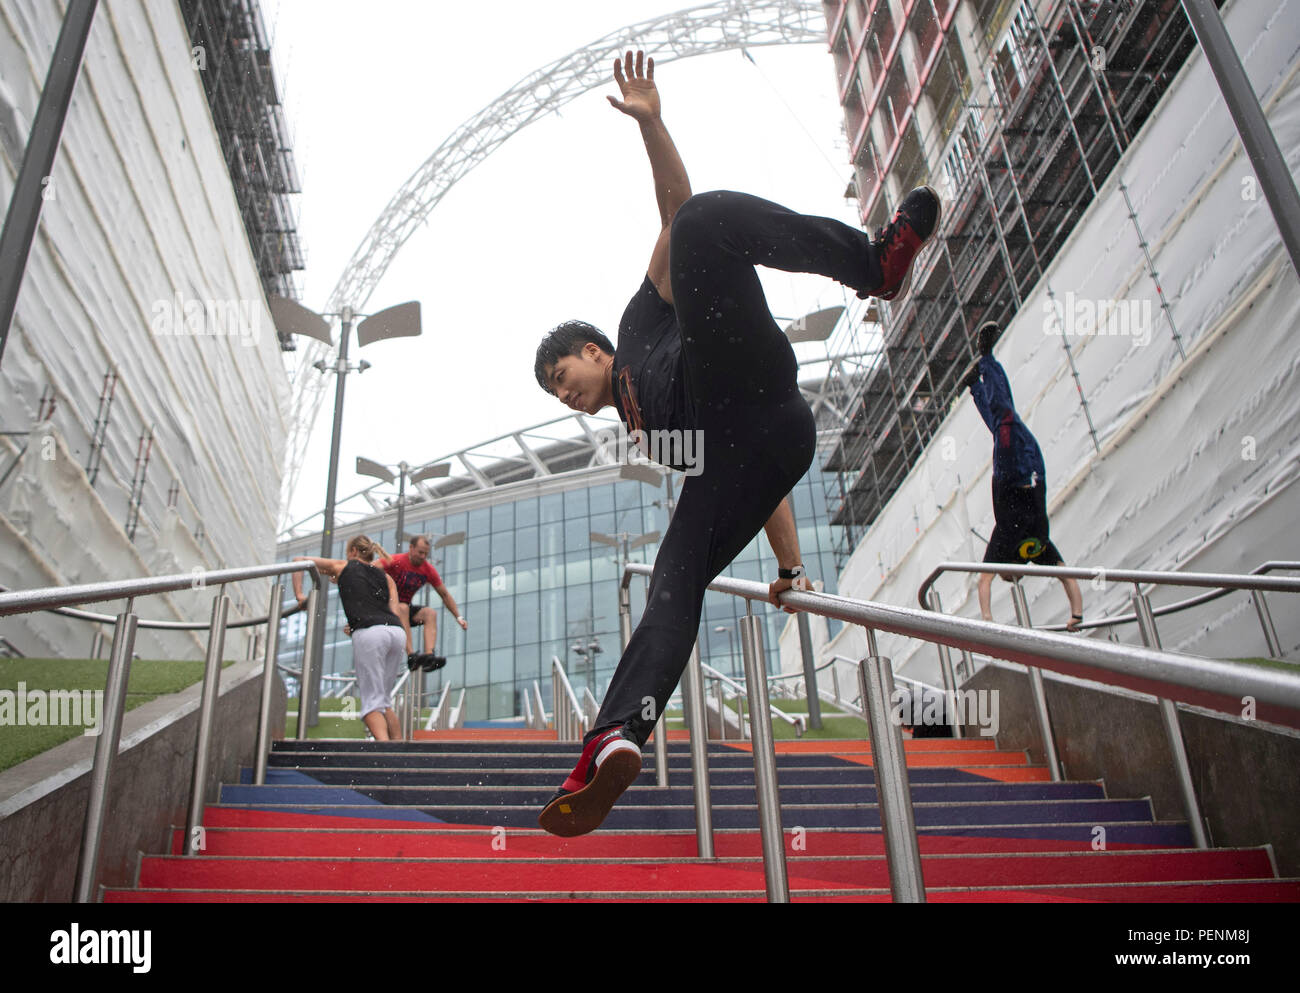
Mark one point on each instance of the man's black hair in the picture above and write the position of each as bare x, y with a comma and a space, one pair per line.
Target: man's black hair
566, 339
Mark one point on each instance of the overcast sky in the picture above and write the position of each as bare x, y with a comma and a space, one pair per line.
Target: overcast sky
557, 224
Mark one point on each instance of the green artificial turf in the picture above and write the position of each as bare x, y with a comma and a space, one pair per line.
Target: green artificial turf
20, 740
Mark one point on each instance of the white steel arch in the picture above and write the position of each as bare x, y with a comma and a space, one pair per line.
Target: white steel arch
702, 30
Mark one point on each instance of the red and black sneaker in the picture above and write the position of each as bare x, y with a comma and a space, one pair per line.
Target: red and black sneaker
900, 241
610, 764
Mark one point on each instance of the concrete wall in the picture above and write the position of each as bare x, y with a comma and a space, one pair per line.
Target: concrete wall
43, 801
1244, 773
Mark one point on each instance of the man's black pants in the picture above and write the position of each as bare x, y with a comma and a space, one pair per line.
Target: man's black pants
758, 432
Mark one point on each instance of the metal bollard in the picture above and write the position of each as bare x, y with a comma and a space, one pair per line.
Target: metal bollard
1173, 732
1266, 622
893, 786
110, 736
1037, 690
809, 672
315, 632
207, 717
764, 752
697, 725
946, 671
272, 643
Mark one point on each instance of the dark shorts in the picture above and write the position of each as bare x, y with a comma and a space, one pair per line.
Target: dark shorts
1021, 532
415, 610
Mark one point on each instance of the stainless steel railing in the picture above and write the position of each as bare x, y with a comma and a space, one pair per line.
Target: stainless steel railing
1224, 584
797, 723
125, 626
1207, 683
1145, 616
570, 721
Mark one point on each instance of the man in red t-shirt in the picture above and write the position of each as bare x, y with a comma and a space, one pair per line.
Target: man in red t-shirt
410, 571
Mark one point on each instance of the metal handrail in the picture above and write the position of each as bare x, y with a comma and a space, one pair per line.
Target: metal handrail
1224, 583
850, 704
54, 597
439, 711
125, 626
92, 617
1204, 682
570, 723
795, 722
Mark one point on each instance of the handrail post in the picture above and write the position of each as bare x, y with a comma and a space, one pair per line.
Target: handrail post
697, 727
764, 752
315, 632
207, 717
1266, 622
946, 671
110, 735
419, 702
722, 708
1037, 689
1173, 732
809, 672
661, 726
97, 643
893, 786
272, 643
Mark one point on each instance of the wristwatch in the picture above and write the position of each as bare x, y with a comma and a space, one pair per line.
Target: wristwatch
795, 573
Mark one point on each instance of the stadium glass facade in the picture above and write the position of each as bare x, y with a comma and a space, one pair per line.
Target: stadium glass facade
534, 586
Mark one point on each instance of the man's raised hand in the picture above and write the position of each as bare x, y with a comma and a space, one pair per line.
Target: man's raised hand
637, 83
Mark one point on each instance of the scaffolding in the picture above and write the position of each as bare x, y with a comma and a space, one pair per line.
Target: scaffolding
1068, 93
232, 54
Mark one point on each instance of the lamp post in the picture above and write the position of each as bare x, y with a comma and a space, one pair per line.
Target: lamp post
402, 321
366, 467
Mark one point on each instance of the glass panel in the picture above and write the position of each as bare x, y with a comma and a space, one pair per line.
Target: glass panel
526, 546
480, 523
527, 620
552, 507
525, 512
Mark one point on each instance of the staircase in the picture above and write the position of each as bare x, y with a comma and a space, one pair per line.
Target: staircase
454, 818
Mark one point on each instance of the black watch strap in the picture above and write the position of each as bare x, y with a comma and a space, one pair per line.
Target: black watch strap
794, 573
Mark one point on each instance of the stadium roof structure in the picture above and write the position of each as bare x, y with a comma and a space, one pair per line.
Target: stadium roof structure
706, 29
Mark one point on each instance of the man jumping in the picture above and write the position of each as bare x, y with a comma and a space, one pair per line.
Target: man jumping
410, 571
699, 352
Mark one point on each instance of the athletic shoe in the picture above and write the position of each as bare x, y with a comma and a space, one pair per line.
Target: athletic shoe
610, 764
900, 241
987, 336
426, 662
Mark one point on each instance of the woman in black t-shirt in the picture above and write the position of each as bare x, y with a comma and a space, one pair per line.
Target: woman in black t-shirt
369, 599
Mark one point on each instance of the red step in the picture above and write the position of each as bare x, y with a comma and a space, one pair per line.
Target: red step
1232, 891
629, 875
453, 842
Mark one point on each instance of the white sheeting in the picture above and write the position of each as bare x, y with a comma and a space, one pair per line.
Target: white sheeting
1198, 459
142, 211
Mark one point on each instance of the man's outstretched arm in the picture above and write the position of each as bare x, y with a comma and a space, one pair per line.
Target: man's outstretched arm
635, 78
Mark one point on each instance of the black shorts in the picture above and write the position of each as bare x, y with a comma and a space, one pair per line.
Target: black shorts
1020, 531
